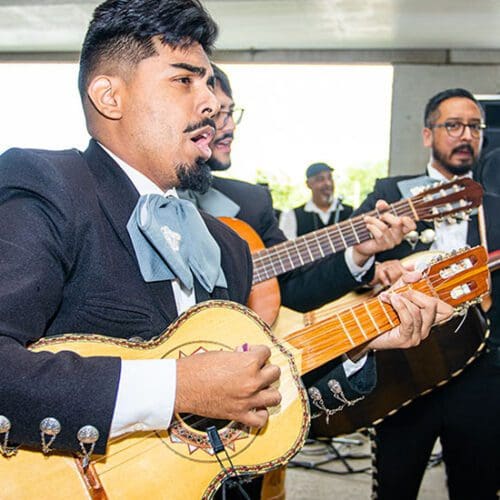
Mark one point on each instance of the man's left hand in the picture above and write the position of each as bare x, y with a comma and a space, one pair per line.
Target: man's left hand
388, 231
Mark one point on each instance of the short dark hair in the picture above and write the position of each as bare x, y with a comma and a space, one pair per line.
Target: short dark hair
222, 79
430, 115
121, 32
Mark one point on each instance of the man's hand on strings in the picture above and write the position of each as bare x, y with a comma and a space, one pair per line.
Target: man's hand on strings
228, 385
387, 231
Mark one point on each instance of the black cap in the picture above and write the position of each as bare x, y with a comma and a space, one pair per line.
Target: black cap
316, 168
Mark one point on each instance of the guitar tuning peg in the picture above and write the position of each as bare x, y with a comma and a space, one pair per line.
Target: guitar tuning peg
437, 258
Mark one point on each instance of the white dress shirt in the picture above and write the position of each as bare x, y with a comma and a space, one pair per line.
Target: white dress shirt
146, 392
448, 236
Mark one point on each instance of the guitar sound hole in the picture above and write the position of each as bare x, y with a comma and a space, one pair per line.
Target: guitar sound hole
202, 423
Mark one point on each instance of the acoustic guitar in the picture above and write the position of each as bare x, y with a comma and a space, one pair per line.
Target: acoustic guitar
180, 463
437, 202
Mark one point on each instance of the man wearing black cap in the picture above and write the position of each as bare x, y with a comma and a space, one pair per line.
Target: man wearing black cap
321, 210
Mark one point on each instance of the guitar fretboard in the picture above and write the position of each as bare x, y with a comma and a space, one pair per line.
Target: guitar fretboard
289, 255
345, 330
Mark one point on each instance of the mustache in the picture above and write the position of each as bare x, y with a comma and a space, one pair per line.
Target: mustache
227, 135
466, 146
203, 123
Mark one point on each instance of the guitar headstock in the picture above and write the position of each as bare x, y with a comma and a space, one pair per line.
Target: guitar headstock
460, 278
456, 197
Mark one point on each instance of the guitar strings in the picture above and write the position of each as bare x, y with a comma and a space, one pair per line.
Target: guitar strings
307, 248
326, 241
352, 325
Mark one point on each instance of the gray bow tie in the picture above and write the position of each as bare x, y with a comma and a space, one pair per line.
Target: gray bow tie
213, 202
171, 240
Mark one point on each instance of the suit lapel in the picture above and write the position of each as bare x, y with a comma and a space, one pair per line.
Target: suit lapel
118, 197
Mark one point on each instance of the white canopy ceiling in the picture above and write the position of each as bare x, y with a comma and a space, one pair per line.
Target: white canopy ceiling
59, 25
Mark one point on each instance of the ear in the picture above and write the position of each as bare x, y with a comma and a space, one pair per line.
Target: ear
308, 184
105, 93
427, 137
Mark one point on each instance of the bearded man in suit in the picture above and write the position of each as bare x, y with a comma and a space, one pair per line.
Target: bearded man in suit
464, 412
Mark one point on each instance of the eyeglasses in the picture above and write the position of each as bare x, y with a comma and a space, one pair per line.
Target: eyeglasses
456, 129
222, 117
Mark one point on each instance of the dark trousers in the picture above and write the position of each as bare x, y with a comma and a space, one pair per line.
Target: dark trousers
465, 415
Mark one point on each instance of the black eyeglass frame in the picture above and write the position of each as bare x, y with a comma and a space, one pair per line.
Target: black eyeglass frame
475, 128
229, 113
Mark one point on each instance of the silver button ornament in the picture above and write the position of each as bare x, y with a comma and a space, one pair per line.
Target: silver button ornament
5, 426
87, 437
427, 236
50, 427
412, 239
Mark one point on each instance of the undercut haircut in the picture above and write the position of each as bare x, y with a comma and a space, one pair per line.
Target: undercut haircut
121, 33
222, 79
431, 113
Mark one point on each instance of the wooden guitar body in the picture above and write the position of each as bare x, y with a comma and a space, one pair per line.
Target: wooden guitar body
265, 297
177, 463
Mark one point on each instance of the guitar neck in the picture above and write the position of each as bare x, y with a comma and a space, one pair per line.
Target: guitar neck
345, 330
279, 259
458, 280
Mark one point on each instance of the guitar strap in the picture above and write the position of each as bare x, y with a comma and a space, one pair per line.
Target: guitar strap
481, 222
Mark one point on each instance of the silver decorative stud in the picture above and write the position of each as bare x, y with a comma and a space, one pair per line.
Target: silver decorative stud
87, 436
338, 393
5, 449
427, 236
412, 239
49, 426
4, 424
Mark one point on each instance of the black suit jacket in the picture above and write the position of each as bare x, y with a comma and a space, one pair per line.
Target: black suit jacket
388, 190
67, 265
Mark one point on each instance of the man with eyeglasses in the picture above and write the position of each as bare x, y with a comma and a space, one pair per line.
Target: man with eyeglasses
465, 412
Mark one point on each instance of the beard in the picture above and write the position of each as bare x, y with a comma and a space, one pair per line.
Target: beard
463, 169
196, 177
217, 165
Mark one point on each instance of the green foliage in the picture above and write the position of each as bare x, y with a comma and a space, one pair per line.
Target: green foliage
354, 184
357, 182
285, 192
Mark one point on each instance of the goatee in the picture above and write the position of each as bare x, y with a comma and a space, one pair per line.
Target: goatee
454, 169
196, 177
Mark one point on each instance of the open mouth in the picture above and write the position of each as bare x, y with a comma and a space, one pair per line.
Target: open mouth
202, 139
224, 144
464, 150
